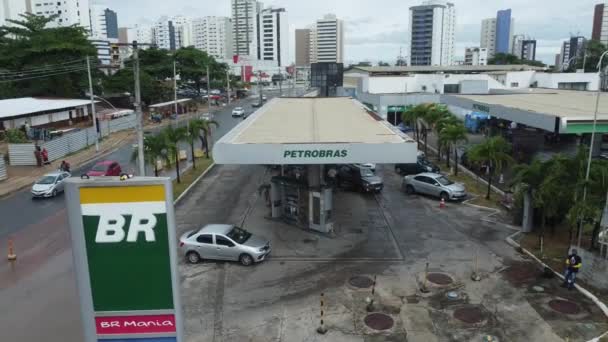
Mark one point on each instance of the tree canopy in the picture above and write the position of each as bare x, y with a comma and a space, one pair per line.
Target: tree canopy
507, 58
36, 60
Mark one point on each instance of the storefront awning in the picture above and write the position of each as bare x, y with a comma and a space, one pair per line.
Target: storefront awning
314, 131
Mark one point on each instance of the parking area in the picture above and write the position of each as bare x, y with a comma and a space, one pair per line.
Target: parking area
405, 242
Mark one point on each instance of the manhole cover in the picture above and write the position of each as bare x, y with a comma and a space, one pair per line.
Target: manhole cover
469, 314
379, 321
564, 306
439, 278
361, 282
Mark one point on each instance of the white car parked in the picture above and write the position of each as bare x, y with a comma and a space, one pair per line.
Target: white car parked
238, 111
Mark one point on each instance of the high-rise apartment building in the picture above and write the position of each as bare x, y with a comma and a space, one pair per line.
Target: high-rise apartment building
104, 23
69, 12
313, 44
302, 47
600, 23
518, 40
11, 9
213, 35
565, 55
432, 28
528, 50
172, 33
273, 36
245, 26
504, 31
488, 36
476, 56
329, 40
144, 34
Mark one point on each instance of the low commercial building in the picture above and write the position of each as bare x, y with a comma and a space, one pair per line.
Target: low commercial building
42, 112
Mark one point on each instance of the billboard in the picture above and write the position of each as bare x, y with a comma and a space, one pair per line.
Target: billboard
124, 246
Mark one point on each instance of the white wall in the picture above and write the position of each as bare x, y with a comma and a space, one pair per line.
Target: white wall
519, 79
551, 80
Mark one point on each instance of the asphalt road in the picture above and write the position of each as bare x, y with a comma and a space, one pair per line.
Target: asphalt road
38, 292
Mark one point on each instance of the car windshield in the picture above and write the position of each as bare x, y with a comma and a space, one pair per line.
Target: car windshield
99, 167
46, 180
239, 235
444, 181
365, 172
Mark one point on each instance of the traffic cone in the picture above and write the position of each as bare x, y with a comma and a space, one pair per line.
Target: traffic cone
11, 253
442, 204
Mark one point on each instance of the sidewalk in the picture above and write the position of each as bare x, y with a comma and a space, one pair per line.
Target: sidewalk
20, 177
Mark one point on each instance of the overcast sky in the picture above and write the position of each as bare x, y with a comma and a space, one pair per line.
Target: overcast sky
377, 29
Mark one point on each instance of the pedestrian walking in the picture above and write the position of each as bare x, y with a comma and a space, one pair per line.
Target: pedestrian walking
573, 264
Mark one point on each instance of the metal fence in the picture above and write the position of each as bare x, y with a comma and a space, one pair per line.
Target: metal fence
3, 174
21, 154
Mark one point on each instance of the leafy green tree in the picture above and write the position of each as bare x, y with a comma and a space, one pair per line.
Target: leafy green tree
383, 64
173, 136
193, 133
52, 61
593, 50
206, 128
452, 135
152, 90
495, 153
192, 65
446, 119
433, 114
507, 59
154, 150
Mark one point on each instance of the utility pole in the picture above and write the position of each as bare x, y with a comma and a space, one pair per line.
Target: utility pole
175, 90
208, 91
293, 81
138, 113
228, 81
280, 84
260, 85
93, 114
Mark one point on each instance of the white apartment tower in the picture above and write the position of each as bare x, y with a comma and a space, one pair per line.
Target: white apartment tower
432, 27
245, 27
10, 10
475, 56
213, 35
104, 23
329, 45
488, 36
273, 36
71, 12
172, 33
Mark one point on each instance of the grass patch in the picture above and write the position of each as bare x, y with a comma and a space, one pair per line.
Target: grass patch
188, 177
477, 190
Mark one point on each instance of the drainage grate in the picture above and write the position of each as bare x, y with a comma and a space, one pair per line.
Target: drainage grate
470, 314
379, 321
564, 306
361, 282
439, 278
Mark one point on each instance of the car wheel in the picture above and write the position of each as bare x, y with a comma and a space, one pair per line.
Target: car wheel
246, 259
409, 190
444, 196
193, 257
54, 193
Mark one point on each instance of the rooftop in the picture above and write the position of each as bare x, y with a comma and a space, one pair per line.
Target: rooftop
398, 70
316, 120
30, 105
563, 103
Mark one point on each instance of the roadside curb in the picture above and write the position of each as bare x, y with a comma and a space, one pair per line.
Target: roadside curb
580, 289
488, 217
189, 188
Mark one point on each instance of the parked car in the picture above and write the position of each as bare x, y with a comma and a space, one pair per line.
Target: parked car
370, 166
50, 185
257, 105
420, 166
105, 168
359, 178
223, 242
238, 111
264, 98
434, 184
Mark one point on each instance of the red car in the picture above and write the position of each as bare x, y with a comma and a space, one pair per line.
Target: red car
105, 168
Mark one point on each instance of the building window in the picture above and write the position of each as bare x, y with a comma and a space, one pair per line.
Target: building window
514, 84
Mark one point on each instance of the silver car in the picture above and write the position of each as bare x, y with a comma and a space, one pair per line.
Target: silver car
238, 111
434, 184
50, 185
223, 242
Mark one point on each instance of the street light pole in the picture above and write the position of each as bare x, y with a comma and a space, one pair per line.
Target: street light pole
138, 113
93, 114
175, 90
228, 82
597, 104
208, 91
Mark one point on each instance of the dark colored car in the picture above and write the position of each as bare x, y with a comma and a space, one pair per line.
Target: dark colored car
105, 168
422, 165
358, 178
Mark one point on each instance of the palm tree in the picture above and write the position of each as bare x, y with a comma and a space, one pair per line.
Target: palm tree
154, 149
206, 128
412, 114
433, 114
495, 152
527, 180
193, 133
173, 136
446, 119
451, 135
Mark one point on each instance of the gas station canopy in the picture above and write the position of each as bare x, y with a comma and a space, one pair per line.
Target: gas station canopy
300, 131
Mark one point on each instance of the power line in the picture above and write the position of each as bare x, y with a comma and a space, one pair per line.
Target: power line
41, 72
50, 66
43, 76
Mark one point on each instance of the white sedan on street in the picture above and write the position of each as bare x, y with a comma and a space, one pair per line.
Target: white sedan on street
49, 185
238, 111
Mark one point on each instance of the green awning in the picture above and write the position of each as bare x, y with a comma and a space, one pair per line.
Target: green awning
579, 128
